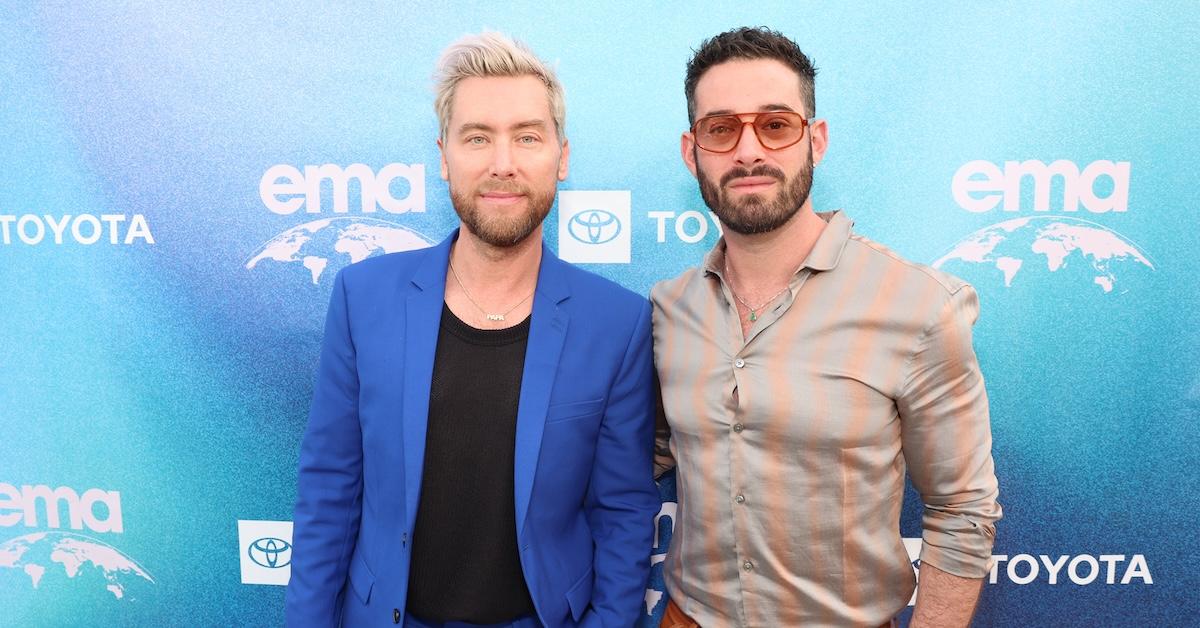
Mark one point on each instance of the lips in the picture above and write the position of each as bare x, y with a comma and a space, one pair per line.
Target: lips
501, 196
751, 184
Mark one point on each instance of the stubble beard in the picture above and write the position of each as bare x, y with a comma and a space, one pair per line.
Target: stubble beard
502, 231
754, 214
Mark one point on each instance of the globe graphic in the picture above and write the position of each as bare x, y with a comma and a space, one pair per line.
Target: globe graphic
320, 248
50, 561
1041, 248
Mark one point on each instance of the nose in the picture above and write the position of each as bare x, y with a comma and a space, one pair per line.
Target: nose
502, 161
749, 151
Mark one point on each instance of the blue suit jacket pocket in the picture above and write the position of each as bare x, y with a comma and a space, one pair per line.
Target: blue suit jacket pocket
580, 595
361, 579
573, 410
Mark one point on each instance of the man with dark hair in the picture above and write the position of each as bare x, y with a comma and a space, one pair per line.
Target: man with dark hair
802, 369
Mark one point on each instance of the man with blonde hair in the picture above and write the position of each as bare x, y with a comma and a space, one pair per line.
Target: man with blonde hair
477, 452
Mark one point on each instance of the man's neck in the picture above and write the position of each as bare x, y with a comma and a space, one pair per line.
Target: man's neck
488, 279
497, 269
763, 262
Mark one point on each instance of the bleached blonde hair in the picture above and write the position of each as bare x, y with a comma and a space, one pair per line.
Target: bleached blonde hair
491, 54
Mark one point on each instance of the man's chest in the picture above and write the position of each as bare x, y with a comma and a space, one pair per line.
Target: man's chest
812, 380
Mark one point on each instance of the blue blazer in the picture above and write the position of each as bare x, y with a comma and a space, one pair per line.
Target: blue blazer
584, 489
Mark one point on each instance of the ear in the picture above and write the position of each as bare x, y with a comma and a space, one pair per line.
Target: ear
687, 150
564, 160
819, 130
442, 152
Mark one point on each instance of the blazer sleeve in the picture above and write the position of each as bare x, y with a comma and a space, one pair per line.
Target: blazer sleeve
329, 486
622, 499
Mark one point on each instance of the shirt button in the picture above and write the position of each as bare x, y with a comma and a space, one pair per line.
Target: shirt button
747, 566
739, 363
740, 499
738, 427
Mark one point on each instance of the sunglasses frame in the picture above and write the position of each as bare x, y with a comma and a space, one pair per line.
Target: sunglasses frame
803, 129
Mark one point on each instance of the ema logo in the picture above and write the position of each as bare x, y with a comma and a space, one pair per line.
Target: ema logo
979, 186
593, 227
1044, 252
265, 551
317, 249
285, 189
21, 506
51, 560
84, 229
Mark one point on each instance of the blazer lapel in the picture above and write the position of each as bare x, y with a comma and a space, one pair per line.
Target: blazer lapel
423, 316
547, 332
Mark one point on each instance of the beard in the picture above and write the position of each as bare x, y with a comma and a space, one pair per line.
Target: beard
753, 213
502, 231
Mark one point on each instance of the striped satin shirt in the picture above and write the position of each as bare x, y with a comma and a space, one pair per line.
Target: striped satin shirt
792, 444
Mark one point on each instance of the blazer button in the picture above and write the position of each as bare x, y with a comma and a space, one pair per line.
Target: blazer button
395, 615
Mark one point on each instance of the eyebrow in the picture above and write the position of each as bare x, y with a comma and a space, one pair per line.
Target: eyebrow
767, 107
479, 126
527, 124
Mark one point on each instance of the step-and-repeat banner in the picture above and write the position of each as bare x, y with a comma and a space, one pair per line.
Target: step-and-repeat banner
181, 181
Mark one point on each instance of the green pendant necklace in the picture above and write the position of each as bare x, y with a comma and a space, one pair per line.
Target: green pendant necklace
753, 309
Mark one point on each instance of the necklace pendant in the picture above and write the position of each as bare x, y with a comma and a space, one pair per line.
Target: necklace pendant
753, 316
495, 317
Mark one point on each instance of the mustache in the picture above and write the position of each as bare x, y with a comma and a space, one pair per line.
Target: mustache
506, 187
762, 170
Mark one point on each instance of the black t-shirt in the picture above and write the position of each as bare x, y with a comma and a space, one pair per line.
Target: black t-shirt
465, 562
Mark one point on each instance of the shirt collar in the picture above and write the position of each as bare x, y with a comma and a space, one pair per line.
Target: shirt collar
825, 254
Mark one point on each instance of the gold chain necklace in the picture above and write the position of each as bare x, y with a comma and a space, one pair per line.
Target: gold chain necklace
753, 309
489, 316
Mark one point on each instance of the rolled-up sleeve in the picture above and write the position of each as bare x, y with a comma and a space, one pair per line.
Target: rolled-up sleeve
947, 441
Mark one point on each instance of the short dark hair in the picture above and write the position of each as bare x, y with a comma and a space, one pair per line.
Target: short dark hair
750, 43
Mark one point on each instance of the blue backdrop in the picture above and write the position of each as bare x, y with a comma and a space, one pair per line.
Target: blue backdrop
179, 182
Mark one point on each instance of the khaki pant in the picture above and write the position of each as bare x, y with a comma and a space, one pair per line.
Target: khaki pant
676, 618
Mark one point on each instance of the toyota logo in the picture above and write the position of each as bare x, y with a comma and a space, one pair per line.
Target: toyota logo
270, 552
594, 226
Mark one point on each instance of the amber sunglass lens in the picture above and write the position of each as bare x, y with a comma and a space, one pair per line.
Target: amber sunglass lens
719, 133
779, 129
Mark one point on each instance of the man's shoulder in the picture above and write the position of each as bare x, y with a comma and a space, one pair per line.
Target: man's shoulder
910, 271
671, 290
